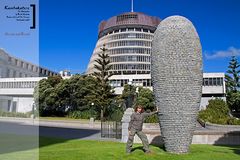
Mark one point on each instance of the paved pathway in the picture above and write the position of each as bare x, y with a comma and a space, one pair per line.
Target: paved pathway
55, 129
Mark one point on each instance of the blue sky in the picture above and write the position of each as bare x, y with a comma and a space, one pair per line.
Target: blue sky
25, 46
69, 28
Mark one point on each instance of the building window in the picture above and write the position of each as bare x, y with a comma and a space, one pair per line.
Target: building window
145, 30
14, 74
138, 29
216, 81
123, 30
130, 29
116, 31
125, 17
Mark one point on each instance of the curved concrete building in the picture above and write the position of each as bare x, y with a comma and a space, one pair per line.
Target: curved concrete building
128, 39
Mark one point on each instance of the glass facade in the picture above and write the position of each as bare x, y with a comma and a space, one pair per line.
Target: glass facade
128, 40
129, 50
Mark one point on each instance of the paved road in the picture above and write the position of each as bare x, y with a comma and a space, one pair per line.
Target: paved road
70, 133
57, 129
53, 129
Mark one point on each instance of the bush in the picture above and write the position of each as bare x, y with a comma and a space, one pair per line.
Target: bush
116, 115
87, 114
217, 112
14, 114
152, 119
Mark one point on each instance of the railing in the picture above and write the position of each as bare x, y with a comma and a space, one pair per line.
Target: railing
111, 129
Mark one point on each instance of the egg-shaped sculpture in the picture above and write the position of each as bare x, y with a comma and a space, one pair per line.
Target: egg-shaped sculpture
176, 72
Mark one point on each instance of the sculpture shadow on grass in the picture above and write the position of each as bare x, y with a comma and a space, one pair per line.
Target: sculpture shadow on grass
15, 137
157, 141
230, 139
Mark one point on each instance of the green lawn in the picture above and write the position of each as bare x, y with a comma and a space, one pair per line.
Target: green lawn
18, 147
58, 149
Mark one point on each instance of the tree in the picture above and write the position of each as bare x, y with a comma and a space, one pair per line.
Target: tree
45, 96
233, 100
233, 85
131, 98
146, 98
104, 94
57, 97
232, 78
128, 96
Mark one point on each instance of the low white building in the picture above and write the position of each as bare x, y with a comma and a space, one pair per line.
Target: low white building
17, 81
213, 85
16, 94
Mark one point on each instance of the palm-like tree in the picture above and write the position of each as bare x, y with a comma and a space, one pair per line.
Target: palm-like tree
232, 78
102, 74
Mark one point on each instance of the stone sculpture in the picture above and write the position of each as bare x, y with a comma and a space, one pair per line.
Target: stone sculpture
177, 80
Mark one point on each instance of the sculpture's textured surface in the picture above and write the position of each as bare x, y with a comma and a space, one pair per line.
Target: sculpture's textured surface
177, 80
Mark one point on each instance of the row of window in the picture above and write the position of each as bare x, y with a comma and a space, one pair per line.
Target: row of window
126, 30
130, 59
119, 82
30, 84
14, 73
129, 72
126, 17
28, 66
135, 82
129, 50
131, 67
142, 82
22, 64
147, 82
129, 43
213, 81
129, 36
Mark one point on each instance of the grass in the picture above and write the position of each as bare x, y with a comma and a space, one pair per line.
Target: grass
22, 148
18, 147
101, 150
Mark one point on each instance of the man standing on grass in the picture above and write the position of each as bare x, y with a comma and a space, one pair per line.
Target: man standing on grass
135, 127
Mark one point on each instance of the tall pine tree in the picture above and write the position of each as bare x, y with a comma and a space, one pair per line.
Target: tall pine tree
102, 66
233, 85
232, 78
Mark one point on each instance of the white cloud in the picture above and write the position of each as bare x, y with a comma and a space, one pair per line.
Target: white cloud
223, 54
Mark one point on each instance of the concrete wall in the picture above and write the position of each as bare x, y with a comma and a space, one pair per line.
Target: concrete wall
218, 127
202, 136
4, 103
24, 104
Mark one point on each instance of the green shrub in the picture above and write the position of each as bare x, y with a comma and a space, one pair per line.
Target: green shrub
87, 114
116, 115
217, 112
233, 121
14, 114
152, 119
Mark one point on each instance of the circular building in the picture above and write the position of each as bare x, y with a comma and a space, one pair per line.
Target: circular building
128, 40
